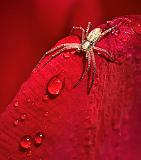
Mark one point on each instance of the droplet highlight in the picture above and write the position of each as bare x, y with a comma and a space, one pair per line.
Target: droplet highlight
23, 116
116, 31
16, 122
66, 55
45, 97
26, 142
29, 153
46, 114
55, 85
16, 104
39, 138
28, 100
136, 25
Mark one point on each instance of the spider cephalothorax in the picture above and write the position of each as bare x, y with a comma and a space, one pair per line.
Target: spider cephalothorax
89, 40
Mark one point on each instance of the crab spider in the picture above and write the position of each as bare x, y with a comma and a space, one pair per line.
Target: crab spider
87, 45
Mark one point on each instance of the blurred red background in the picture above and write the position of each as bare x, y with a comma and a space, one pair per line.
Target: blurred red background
30, 27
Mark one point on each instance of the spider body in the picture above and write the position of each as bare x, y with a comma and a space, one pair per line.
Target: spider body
87, 45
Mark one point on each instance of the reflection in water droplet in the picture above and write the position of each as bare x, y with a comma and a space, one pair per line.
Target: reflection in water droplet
55, 85
26, 142
39, 137
16, 122
66, 55
45, 97
136, 26
23, 116
46, 114
29, 153
16, 104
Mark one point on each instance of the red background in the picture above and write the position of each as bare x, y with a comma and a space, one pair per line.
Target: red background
30, 27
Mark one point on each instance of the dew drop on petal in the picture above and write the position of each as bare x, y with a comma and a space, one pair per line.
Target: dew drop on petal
16, 122
45, 97
23, 116
55, 85
26, 142
136, 25
39, 137
66, 55
116, 31
16, 104
116, 126
28, 100
46, 114
29, 153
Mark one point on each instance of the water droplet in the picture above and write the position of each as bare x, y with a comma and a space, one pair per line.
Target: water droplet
16, 122
116, 126
26, 142
16, 104
116, 31
28, 100
66, 55
39, 137
136, 25
23, 116
46, 114
29, 153
45, 97
55, 85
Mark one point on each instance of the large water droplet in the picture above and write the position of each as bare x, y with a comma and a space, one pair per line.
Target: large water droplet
26, 142
16, 104
16, 122
136, 25
55, 85
23, 116
39, 137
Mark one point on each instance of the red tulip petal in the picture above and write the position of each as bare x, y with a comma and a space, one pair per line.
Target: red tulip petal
69, 123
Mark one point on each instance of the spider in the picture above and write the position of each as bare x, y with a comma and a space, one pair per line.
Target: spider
88, 42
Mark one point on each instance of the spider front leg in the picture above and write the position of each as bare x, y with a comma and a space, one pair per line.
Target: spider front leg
88, 58
48, 52
53, 56
94, 70
64, 47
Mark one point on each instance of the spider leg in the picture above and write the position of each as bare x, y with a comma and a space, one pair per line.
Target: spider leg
83, 32
53, 56
94, 70
88, 28
67, 46
105, 51
86, 71
107, 31
50, 51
